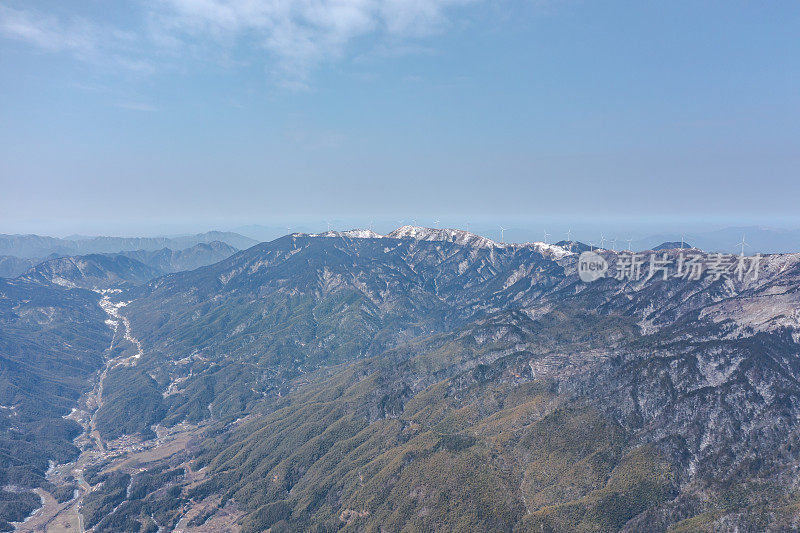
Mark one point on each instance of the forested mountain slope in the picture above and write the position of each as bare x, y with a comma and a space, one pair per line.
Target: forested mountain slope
335, 340
437, 380
51, 343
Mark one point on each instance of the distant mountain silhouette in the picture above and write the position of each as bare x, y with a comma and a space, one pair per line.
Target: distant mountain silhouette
31, 246
672, 245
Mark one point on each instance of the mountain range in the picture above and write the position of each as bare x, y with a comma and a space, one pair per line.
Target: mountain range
428, 379
36, 246
117, 269
644, 233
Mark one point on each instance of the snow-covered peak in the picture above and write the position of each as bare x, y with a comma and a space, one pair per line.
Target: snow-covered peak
553, 250
434, 234
457, 236
353, 234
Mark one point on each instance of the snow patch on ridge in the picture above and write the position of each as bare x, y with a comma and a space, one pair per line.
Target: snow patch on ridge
456, 236
353, 234
450, 235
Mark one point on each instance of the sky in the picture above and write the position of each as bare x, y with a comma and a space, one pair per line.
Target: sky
146, 116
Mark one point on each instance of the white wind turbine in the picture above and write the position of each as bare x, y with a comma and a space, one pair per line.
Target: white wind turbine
602, 241
503, 235
614, 244
569, 235
546, 235
329, 225
630, 244
436, 223
682, 241
743, 244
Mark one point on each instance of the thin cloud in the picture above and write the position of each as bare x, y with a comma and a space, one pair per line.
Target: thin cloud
47, 32
291, 37
298, 35
107, 46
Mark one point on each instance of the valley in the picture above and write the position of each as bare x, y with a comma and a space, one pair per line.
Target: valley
130, 454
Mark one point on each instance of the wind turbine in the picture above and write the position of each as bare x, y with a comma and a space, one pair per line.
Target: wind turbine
682, 241
329, 225
630, 241
503, 235
591, 246
602, 241
436, 222
569, 240
288, 230
371, 223
467, 227
743, 244
614, 245
546, 235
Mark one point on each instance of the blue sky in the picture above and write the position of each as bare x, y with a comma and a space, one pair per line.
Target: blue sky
126, 116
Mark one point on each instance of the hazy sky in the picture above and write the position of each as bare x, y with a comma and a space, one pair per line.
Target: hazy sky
219, 112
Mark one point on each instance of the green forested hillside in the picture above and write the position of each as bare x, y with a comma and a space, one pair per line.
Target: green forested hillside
331, 383
51, 343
